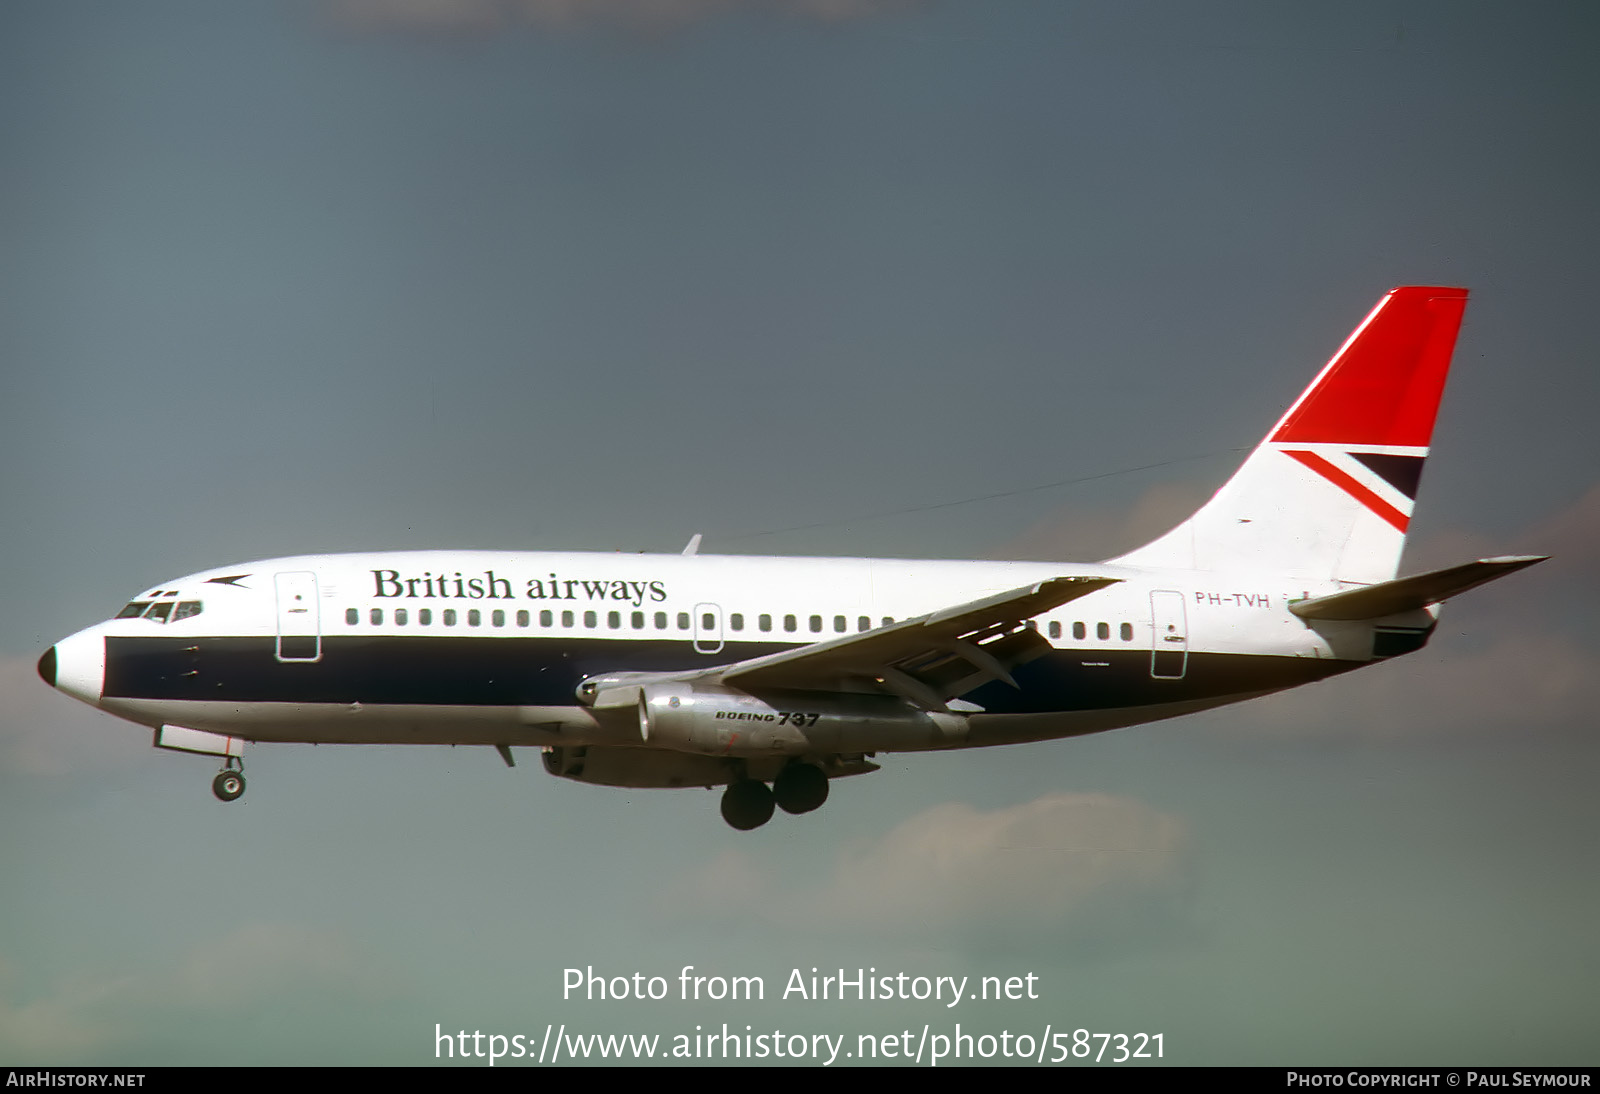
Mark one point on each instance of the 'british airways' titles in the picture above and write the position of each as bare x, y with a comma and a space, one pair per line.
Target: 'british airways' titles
489, 586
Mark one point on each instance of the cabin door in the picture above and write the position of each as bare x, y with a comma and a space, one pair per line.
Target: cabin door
299, 617
1169, 653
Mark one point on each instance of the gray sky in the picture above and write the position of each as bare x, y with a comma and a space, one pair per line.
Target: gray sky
290, 277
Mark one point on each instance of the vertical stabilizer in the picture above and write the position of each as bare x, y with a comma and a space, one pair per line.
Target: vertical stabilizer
1329, 493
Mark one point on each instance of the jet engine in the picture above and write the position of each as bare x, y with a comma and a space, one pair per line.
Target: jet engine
720, 721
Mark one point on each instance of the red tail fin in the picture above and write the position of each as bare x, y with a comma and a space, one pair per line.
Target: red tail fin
1329, 494
1383, 385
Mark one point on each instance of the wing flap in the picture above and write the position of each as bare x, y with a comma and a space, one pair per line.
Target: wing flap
1408, 593
921, 659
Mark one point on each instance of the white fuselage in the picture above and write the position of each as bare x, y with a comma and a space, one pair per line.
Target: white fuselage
489, 647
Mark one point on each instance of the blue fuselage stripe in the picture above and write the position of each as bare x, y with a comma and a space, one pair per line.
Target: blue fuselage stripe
537, 671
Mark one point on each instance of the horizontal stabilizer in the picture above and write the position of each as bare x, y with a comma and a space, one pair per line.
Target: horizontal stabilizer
1408, 593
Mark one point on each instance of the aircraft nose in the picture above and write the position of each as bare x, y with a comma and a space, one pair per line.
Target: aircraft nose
77, 665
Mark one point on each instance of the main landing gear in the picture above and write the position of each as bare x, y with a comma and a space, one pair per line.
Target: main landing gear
229, 783
799, 788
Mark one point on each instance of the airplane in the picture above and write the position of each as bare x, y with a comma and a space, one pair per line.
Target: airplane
772, 676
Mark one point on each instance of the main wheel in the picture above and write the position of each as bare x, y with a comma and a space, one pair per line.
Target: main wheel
747, 804
800, 788
228, 785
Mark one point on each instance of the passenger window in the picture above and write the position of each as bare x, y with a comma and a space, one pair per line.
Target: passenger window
424, 616
816, 624
661, 621
789, 623
1102, 630
1033, 624
736, 621
1078, 631
613, 620
683, 621
1127, 632
1055, 629
566, 619
764, 622
498, 617
546, 618
375, 617
863, 624
888, 620
400, 617
449, 617
351, 616
839, 623
708, 621
638, 621
589, 619
522, 618
474, 617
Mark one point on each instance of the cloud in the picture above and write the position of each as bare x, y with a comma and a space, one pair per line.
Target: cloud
252, 968
1549, 591
1070, 867
1571, 537
1069, 535
67, 1024
1521, 683
492, 16
262, 959
1032, 867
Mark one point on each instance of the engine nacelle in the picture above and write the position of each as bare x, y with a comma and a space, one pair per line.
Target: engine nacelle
725, 722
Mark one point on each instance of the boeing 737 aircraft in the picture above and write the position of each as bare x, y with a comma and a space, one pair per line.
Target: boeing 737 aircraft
773, 676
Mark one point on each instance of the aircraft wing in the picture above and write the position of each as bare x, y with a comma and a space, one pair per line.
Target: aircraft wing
926, 660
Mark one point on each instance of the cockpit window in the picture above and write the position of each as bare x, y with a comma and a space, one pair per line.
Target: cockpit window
162, 611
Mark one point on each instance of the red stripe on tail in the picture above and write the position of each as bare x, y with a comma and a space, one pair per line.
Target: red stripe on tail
1344, 481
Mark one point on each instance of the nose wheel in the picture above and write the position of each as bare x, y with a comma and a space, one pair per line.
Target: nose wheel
229, 783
